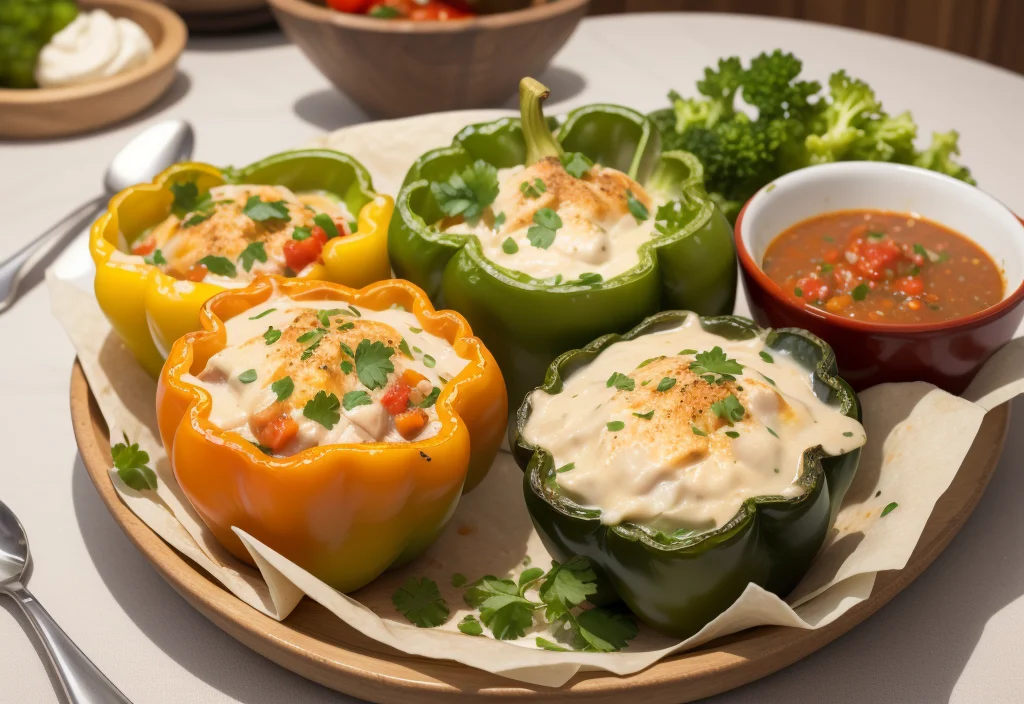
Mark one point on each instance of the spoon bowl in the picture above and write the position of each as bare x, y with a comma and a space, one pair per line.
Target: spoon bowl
13, 547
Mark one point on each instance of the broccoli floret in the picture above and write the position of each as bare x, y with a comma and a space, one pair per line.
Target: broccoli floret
770, 85
885, 139
720, 87
852, 107
939, 156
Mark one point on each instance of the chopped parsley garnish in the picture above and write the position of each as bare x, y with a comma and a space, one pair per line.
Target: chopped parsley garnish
729, 409
253, 252
509, 246
771, 431
262, 448
196, 219
467, 193
430, 399
221, 266
272, 335
666, 383
732, 433
919, 249
428, 361
826, 267
566, 468
615, 426
542, 233
545, 644
324, 316
847, 434
875, 235
156, 258
470, 626
636, 208
532, 190
588, 278
687, 351
260, 210
648, 361
132, 465
323, 409
403, 347
499, 220
314, 338
354, 399
645, 416
384, 12
621, 382
576, 164
186, 198
347, 350
248, 376
302, 233
283, 387
798, 292
373, 363
326, 223
766, 357
346, 367
861, 292
889, 509
768, 379
416, 331
419, 600
715, 367
697, 431
268, 311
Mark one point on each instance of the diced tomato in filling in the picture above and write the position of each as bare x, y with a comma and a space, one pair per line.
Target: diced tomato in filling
298, 254
144, 247
275, 433
874, 257
396, 399
814, 288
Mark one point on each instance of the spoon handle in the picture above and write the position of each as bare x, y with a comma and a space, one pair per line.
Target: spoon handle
82, 682
12, 269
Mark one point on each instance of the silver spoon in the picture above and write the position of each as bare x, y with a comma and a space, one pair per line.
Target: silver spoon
146, 155
81, 681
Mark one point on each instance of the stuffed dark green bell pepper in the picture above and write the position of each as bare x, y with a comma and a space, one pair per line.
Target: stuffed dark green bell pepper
546, 241
688, 458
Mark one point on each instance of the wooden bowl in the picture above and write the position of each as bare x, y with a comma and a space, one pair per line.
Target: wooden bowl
59, 112
222, 15
396, 68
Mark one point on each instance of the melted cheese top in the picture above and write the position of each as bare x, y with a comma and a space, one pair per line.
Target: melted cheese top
599, 233
287, 338
659, 448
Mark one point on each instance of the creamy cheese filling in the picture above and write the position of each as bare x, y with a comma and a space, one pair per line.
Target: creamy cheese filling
280, 357
221, 240
599, 233
644, 437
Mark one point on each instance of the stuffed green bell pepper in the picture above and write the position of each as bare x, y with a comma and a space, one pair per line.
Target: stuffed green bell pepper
545, 241
688, 458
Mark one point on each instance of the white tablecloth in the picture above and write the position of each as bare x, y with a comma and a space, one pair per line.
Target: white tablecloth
954, 635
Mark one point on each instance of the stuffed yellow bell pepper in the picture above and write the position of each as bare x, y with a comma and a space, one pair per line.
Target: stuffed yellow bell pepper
338, 427
164, 248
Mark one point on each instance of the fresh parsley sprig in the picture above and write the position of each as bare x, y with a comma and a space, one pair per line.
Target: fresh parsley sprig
467, 193
715, 367
729, 409
373, 363
132, 465
259, 210
420, 601
542, 233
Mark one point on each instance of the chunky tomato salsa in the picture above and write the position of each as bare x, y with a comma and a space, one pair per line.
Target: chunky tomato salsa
884, 267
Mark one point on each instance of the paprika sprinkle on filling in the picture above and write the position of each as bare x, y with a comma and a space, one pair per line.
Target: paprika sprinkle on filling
231, 233
883, 267
297, 374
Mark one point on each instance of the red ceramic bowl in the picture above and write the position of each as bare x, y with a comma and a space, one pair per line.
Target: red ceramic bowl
946, 354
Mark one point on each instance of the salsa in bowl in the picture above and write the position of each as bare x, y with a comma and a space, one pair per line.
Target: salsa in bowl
910, 275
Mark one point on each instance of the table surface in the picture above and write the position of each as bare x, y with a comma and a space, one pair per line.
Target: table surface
954, 635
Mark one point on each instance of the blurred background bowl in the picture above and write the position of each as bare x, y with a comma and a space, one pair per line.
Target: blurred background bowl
37, 113
222, 15
396, 68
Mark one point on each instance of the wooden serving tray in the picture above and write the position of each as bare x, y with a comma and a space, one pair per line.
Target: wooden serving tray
314, 643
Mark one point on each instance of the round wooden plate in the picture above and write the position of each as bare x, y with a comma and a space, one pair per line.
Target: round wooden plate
313, 643
58, 112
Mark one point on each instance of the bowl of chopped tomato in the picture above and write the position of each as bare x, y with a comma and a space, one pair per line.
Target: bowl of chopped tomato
397, 58
908, 274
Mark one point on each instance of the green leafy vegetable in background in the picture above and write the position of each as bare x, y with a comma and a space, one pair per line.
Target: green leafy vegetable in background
794, 124
25, 27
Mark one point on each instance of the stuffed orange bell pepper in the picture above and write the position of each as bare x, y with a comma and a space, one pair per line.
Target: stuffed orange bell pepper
164, 248
337, 426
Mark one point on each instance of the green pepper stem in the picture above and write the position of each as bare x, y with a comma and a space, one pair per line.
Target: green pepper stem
540, 143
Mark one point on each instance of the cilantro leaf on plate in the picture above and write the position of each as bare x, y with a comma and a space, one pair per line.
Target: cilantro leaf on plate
729, 409
131, 464
467, 193
354, 399
373, 363
470, 626
567, 585
323, 409
604, 630
715, 367
620, 381
419, 600
221, 266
